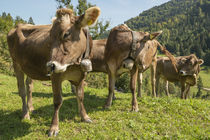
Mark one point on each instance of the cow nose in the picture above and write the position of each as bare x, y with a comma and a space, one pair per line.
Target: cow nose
182, 72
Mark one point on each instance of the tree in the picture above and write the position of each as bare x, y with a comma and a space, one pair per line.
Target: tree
64, 3
30, 21
6, 24
18, 20
82, 6
207, 58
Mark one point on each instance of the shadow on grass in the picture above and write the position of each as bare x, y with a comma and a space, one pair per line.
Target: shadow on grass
46, 95
11, 125
69, 108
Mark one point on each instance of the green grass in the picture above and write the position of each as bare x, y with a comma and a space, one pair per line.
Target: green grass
160, 118
205, 75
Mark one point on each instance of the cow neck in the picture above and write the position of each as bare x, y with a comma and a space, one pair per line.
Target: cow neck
133, 54
87, 51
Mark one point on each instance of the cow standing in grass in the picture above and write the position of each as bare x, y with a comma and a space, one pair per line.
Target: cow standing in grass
188, 69
52, 52
127, 50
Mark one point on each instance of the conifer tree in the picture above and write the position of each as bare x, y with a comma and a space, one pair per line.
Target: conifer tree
30, 21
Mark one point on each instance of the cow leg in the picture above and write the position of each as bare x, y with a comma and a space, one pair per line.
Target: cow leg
80, 100
166, 88
182, 90
57, 100
73, 88
112, 80
29, 88
22, 92
114, 97
187, 91
153, 79
139, 84
134, 74
157, 83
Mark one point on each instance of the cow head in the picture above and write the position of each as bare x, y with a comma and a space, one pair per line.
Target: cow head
150, 36
189, 65
68, 40
142, 52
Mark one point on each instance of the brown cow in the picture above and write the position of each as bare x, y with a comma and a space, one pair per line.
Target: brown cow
123, 44
52, 52
97, 58
188, 70
97, 55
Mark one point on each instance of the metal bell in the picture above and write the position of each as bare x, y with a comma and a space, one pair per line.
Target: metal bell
128, 64
86, 65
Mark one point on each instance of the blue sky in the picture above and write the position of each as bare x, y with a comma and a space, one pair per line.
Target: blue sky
116, 11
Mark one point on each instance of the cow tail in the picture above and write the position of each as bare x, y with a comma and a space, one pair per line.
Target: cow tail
20, 35
169, 55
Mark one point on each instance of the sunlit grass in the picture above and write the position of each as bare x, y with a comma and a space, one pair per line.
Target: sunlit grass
158, 118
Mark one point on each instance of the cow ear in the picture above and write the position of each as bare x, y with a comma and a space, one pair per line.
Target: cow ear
154, 35
200, 61
90, 17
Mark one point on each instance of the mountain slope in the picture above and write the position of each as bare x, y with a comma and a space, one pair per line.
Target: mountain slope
185, 25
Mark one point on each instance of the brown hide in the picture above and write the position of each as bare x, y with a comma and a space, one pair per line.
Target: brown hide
59, 47
29, 49
97, 56
118, 49
147, 55
190, 65
188, 69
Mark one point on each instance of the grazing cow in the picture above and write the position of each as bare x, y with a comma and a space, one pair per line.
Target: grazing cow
52, 52
188, 69
127, 50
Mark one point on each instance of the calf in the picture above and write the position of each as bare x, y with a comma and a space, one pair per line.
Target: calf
188, 69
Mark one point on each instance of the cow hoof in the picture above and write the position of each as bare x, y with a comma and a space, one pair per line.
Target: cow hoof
26, 117
135, 110
31, 109
114, 98
107, 107
53, 133
139, 96
88, 121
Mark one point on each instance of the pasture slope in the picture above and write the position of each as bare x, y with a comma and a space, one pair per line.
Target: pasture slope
160, 118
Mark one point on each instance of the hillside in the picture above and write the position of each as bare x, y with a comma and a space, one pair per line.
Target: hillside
185, 25
160, 118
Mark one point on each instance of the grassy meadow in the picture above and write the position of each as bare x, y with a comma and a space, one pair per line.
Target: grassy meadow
158, 118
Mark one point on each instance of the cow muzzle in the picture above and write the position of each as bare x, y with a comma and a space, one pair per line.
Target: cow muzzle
186, 73
55, 67
183, 73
